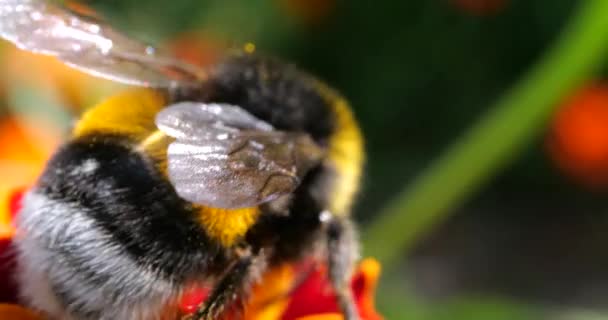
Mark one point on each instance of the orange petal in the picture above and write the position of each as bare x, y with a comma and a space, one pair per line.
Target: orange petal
315, 297
364, 287
269, 298
323, 316
15, 312
26, 142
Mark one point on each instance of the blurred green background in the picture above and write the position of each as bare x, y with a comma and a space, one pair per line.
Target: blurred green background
473, 210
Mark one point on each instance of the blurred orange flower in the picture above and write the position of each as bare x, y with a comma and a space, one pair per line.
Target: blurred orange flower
24, 148
578, 139
198, 48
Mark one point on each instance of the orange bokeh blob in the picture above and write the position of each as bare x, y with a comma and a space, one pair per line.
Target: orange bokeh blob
578, 140
198, 48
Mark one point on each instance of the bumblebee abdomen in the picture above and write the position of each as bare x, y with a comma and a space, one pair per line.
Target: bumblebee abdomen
107, 231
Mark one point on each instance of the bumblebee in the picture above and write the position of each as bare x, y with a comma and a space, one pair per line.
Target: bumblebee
195, 176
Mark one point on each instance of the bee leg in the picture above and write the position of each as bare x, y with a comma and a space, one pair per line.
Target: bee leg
229, 288
342, 253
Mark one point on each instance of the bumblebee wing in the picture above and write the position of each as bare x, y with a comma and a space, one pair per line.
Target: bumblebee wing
225, 157
90, 46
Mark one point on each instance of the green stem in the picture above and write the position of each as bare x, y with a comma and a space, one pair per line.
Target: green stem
495, 140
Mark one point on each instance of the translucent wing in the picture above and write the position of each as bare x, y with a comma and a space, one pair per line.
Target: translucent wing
225, 157
90, 46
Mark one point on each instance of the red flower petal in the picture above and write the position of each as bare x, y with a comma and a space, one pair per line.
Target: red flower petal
315, 296
14, 201
192, 299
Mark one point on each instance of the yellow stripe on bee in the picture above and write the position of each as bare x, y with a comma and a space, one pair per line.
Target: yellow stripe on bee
130, 113
227, 225
346, 153
155, 146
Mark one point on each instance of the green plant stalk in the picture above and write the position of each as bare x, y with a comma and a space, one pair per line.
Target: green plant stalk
495, 139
